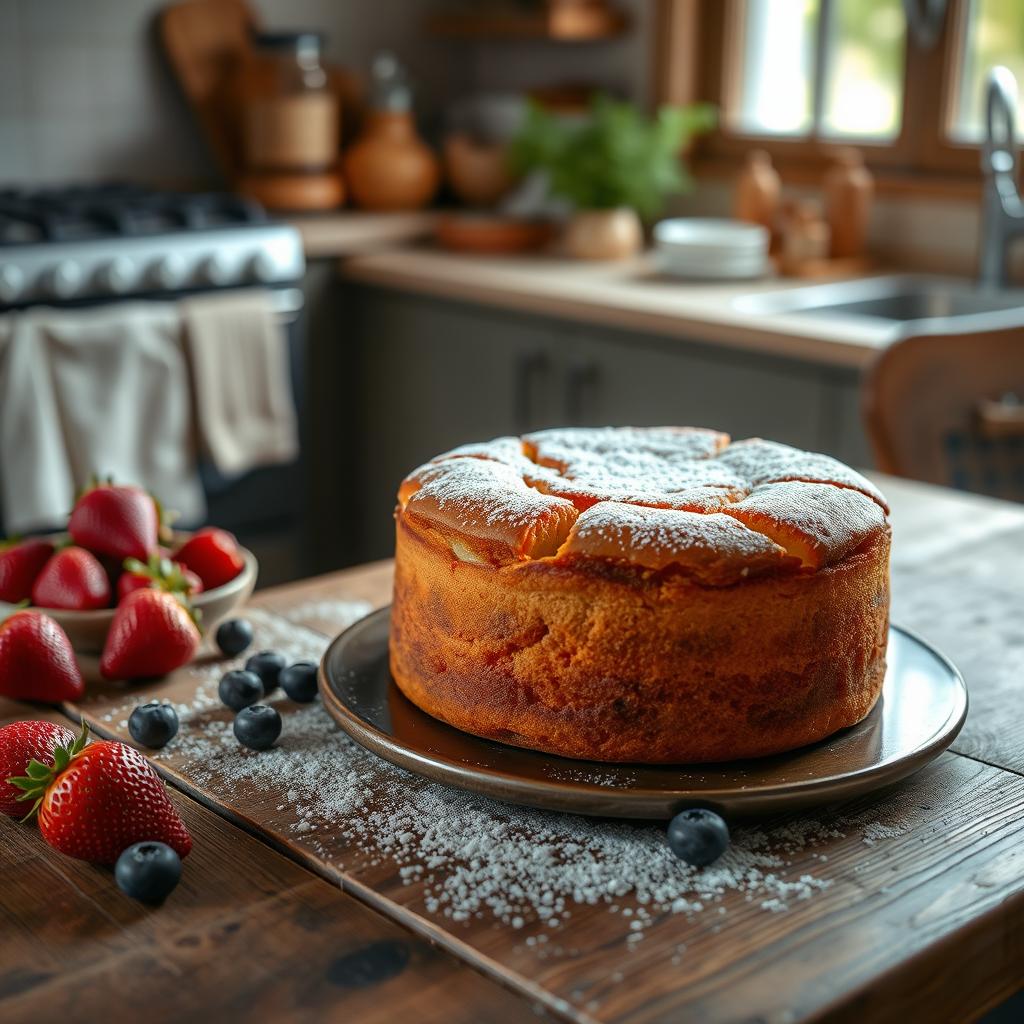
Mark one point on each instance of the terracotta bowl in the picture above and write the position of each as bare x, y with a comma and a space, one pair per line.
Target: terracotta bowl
87, 631
491, 233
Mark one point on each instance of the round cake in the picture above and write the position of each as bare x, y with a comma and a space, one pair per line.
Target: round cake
650, 595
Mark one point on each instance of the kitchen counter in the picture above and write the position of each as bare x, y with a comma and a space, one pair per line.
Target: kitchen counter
346, 232
630, 295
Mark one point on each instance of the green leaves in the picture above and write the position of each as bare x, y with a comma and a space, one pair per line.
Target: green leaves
615, 157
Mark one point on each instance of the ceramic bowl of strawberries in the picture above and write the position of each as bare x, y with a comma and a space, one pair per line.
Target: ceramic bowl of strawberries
124, 587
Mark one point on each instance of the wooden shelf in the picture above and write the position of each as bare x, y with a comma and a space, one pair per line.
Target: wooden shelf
577, 24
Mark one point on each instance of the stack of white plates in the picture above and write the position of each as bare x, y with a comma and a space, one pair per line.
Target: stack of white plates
699, 247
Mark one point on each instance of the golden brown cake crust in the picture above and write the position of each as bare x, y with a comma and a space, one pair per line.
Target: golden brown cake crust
577, 616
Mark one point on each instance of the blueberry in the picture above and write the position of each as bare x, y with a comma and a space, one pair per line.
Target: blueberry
698, 836
148, 872
153, 724
299, 681
257, 727
239, 689
234, 636
267, 665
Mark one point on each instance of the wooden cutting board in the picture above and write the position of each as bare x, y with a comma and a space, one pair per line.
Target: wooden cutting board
206, 41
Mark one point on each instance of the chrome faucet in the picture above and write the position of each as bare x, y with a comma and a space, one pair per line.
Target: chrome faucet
1002, 210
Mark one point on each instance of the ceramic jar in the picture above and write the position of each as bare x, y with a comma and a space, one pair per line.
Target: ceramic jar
604, 234
389, 167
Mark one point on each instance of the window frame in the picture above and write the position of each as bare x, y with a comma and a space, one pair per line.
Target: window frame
705, 36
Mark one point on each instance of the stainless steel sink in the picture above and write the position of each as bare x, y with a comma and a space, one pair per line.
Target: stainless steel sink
896, 298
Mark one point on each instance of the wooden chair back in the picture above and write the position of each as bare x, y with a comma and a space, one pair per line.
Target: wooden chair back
949, 409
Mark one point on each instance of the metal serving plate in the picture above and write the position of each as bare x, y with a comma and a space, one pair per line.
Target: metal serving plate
923, 706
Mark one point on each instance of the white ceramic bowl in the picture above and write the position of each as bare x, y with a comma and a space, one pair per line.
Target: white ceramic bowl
712, 270
711, 235
707, 249
87, 631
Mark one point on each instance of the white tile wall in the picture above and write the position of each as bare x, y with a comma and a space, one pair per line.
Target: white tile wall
84, 93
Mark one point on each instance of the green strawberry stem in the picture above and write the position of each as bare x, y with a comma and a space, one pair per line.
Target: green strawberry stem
39, 777
165, 574
166, 518
94, 480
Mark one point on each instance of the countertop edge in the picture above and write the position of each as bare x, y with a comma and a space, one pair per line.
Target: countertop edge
596, 308
340, 233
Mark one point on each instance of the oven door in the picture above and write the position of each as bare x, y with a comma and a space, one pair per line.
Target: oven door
265, 508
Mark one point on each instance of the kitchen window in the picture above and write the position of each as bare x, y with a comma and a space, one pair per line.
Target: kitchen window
901, 79
827, 68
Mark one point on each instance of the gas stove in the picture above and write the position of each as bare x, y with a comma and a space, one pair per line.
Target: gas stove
72, 246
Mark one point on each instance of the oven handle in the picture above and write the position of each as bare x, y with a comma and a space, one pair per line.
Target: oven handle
287, 304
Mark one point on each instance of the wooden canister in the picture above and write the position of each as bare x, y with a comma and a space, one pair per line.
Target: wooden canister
849, 189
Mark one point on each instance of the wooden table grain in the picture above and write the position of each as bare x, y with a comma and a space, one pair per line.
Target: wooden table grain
247, 934
920, 914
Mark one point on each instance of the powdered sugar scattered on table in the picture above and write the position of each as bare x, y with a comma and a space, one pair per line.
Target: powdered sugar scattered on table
341, 614
474, 857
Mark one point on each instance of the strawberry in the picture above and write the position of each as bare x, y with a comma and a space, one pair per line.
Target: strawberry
20, 564
72, 579
96, 800
20, 743
158, 573
36, 660
115, 520
152, 634
213, 556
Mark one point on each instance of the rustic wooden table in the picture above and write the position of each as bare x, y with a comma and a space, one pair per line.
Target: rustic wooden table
327, 885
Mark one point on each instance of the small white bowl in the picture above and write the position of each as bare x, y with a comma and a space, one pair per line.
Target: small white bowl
707, 235
707, 249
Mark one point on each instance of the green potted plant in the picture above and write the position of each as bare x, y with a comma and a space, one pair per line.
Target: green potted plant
616, 166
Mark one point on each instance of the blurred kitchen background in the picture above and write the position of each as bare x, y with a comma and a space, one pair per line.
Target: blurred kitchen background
265, 257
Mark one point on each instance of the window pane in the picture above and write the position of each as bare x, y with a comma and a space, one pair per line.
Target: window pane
778, 67
864, 69
995, 35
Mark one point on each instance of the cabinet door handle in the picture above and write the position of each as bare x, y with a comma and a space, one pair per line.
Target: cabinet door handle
579, 377
528, 368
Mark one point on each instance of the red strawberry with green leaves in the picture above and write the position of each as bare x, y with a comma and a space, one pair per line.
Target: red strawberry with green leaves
74, 580
115, 520
20, 563
213, 555
152, 633
96, 800
158, 574
20, 743
37, 661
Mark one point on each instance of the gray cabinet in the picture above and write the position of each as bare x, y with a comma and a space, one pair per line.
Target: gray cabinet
621, 379
430, 374
434, 375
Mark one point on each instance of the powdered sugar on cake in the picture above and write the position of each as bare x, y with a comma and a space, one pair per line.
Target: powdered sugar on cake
566, 444
491, 501
764, 462
715, 548
513, 488
819, 522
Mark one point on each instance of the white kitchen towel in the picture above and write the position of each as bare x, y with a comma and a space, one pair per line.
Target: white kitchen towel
88, 391
241, 375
